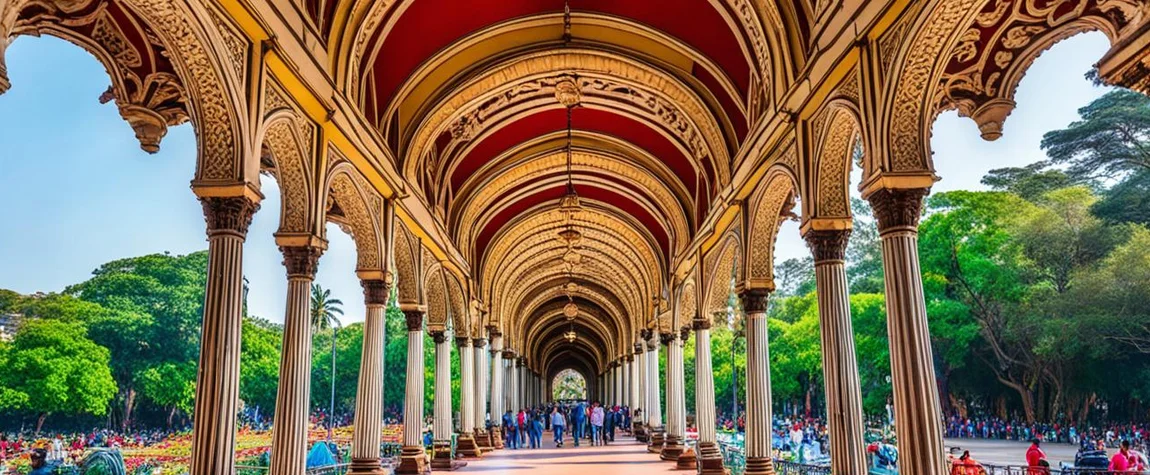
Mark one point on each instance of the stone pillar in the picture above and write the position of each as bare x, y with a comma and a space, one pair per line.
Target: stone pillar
369, 390
217, 378
655, 413
466, 444
413, 459
840, 367
619, 382
289, 435
633, 383
707, 453
676, 436
758, 442
441, 457
481, 368
639, 422
916, 404
497, 407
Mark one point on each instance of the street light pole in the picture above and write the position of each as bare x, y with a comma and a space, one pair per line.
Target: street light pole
331, 407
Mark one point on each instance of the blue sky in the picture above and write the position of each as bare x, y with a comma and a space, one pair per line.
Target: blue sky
77, 191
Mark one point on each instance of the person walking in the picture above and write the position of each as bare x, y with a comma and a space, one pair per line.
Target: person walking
558, 422
1036, 462
1122, 461
578, 419
535, 429
509, 430
521, 419
609, 421
597, 416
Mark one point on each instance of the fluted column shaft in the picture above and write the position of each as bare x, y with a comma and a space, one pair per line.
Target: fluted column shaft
441, 429
633, 385
369, 390
217, 379
758, 441
466, 385
704, 382
641, 372
497, 408
479, 416
676, 407
655, 403
289, 435
840, 367
412, 459
918, 417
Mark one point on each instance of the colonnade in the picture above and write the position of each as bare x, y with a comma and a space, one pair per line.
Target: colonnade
499, 377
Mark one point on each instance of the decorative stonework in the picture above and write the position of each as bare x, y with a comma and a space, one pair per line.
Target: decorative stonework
352, 192
754, 300
828, 245
301, 261
667, 338
701, 324
414, 320
685, 332
438, 336
834, 161
638, 348
897, 209
375, 292
228, 214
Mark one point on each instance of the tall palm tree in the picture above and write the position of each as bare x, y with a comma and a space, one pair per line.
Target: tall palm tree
324, 309
323, 315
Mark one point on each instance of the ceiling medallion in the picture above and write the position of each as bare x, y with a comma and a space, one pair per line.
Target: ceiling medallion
570, 310
567, 92
570, 336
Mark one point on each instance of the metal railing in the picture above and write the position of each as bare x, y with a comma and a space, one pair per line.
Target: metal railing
986, 469
337, 469
783, 467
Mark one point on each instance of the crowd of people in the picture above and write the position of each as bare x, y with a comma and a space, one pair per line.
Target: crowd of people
991, 427
582, 421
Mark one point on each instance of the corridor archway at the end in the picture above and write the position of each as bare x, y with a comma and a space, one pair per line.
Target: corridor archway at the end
568, 384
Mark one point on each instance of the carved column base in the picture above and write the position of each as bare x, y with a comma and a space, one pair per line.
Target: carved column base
496, 438
686, 460
483, 440
672, 448
367, 466
412, 460
655, 442
759, 466
710, 459
466, 446
441, 457
640, 432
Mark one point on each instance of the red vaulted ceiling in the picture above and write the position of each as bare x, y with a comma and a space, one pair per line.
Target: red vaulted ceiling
427, 26
582, 119
588, 192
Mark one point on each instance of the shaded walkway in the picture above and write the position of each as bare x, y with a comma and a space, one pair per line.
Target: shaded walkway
624, 457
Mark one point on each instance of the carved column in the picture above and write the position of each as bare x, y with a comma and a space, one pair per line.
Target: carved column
916, 404
675, 437
412, 459
708, 455
369, 391
217, 380
633, 384
655, 403
639, 422
840, 367
497, 408
289, 435
758, 442
466, 444
480, 414
442, 458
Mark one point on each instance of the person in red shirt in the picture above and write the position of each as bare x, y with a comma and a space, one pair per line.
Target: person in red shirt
1036, 462
1121, 461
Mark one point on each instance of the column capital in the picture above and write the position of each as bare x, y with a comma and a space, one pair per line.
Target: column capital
479, 342
754, 300
667, 337
376, 292
701, 324
638, 348
509, 354
897, 209
439, 336
301, 261
645, 334
685, 332
828, 245
629, 358
494, 331
228, 215
414, 320
463, 342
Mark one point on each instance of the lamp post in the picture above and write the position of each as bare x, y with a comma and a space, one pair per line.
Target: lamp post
331, 406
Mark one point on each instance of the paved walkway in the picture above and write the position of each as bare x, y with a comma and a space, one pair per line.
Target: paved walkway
623, 457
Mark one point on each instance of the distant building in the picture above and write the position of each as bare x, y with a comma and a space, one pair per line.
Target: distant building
9, 322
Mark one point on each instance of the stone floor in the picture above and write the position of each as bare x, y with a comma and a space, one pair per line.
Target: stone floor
623, 457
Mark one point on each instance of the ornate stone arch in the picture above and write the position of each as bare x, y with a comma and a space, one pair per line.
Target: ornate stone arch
767, 208
408, 267
837, 128
721, 276
457, 305
288, 148
687, 304
194, 67
357, 208
435, 284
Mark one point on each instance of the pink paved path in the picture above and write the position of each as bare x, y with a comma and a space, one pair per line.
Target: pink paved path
624, 457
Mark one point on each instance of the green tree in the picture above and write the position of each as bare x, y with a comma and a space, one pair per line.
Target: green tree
1030, 182
1111, 140
51, 368
259, 363
325, 311
171, 386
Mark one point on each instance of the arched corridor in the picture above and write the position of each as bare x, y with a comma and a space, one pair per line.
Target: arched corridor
567, 187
